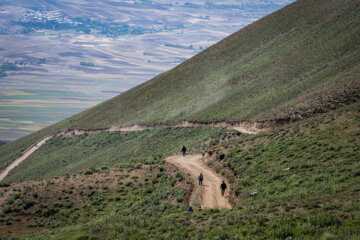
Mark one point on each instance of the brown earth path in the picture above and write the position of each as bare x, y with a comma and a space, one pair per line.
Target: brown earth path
209, 194
243, 127
26, 154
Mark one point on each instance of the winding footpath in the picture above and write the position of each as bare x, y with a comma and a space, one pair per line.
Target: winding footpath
208, 195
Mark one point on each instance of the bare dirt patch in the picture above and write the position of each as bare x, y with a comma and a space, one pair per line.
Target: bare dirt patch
209, 194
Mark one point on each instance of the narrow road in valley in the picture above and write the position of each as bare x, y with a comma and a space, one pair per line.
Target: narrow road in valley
244, 127
26, 154
209, 194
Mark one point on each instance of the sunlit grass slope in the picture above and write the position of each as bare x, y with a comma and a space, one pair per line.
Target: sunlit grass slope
301, 62
296, 62
306, 176
77, 154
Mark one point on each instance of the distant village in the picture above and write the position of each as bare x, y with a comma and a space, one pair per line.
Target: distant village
38, 16
58, 21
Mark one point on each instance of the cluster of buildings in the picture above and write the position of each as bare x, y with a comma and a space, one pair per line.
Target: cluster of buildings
38, 16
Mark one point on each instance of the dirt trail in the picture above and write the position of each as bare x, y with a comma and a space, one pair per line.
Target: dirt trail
244, 127
209, 194
27, 153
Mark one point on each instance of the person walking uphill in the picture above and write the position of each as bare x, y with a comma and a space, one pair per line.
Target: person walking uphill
183, 150
223, 187
203, 153
201, 177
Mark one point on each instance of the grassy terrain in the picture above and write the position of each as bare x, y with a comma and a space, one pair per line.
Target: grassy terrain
73, 200
302, 161
294, 63
306, 176
299, 58
300, 180
69, 155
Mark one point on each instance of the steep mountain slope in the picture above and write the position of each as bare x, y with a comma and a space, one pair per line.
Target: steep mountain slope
306, 178
296, 62
297, 181
72, 155
289, 63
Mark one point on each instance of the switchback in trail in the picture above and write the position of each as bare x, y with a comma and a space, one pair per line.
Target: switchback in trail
209, 194
244, 127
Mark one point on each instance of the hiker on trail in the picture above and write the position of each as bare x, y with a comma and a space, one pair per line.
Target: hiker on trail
183, 150
201, 177
223, 187
190, 209
203, 153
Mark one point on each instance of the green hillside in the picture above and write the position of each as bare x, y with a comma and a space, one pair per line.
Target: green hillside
78, 154
292, 63
298, 66
300, 60
306, 175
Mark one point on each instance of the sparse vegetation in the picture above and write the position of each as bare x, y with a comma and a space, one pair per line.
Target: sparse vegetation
289, 200
268, 70
299, 181
70, 155
100, 200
